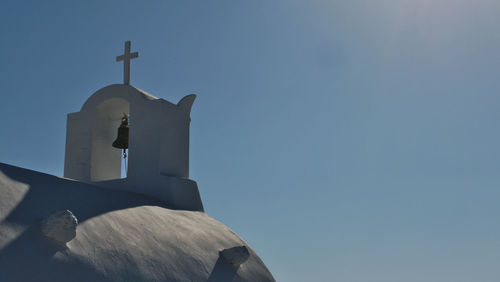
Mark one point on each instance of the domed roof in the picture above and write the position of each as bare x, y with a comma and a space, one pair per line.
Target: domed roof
121, 236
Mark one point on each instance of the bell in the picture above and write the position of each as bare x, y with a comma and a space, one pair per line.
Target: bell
121, 141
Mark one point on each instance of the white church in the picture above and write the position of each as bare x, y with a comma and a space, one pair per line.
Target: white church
125, 209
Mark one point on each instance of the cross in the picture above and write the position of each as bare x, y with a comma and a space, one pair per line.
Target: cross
126, 57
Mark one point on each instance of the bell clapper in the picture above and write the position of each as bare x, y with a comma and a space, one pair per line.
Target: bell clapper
125, 160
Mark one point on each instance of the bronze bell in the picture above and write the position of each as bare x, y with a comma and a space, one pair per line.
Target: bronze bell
121, 141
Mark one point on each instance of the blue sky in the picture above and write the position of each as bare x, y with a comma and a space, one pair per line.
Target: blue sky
343, 140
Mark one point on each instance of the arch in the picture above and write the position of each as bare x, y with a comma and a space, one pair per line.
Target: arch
131, 94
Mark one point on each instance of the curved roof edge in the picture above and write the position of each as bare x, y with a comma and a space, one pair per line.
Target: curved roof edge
123, 91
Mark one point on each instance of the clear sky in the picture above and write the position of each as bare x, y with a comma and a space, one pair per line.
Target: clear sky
343, 140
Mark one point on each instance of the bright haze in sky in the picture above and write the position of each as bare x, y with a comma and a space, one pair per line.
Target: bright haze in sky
344, 140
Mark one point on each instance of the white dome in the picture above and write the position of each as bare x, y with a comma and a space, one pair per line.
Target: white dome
121, 236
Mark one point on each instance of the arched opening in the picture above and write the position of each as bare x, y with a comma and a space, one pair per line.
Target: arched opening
106, 161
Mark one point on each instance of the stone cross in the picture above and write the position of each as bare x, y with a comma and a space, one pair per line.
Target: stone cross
126, 57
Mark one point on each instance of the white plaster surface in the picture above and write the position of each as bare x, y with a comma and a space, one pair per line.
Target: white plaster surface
121, 236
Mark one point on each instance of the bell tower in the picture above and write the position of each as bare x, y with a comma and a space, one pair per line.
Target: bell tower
158, 142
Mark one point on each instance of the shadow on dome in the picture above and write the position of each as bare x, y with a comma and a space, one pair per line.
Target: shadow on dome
48, 194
